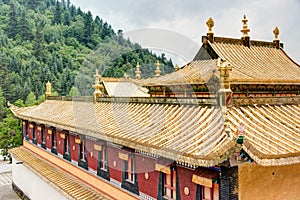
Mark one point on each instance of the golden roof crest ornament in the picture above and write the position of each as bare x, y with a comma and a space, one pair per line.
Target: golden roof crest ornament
176, 67
210, 24
224, 93
245, 29
48, 89
157, 71
276, 33
98, 87
138, 71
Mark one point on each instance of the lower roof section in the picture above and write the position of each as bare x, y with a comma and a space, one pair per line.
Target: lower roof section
195, 134
70, 186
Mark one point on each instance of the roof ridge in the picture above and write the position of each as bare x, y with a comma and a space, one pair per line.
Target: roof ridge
240, 42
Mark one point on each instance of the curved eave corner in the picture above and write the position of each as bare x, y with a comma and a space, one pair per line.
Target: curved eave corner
270, 160
18, 110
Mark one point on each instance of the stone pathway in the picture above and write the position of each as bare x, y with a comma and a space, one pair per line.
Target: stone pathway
6, 191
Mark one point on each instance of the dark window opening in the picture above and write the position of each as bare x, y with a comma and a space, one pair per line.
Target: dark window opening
103, 169
129, 176
82, 157
43, 137
54, 142
67, 155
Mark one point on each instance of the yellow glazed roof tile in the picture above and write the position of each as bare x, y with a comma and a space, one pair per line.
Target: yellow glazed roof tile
70, 186
186, 133
259, 63
182, 132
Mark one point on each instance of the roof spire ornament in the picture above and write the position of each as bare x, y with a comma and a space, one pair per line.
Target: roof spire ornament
245, 29
210, 24
98, 87
138, 71
224, 93
176, 67
157, 71
276, 33
276, 40
48, 89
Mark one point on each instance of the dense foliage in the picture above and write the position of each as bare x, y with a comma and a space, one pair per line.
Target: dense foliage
43, 40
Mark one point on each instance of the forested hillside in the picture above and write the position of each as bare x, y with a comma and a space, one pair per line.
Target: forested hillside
52, 40
43, 40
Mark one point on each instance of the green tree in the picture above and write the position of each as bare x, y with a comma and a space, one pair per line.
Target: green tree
88, 27
10, 134
30, 99
19, 103
38, 44
58, 13
74, 92
24, 32
2, 107
12, 29
41, 98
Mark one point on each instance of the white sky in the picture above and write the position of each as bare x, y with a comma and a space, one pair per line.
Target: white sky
185, 20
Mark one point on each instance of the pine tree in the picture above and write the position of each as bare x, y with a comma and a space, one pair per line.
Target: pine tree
30, 99
2, 107
58, 13
67, 18
4, 82
39, 40
33, 4
24, 32
88, 27
12, 27
68, 4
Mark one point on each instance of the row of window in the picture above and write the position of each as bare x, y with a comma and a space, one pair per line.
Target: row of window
168, 179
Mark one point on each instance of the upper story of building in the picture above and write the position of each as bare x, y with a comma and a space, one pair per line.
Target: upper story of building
255, 69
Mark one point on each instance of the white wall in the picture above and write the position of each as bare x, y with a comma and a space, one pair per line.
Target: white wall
32, 185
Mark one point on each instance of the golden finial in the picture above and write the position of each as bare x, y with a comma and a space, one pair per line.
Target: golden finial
48, 89
276, 33
157, 71
176, 67
98, 87
245, 29
210, 24
138, 71
224, 68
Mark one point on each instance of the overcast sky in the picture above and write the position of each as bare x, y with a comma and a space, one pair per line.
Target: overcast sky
185, 20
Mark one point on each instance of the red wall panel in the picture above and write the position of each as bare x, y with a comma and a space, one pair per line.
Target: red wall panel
147, 165
73, 148
48, 138
115, 171
38, 135
60, 143
185, 180
92, 154
29, 132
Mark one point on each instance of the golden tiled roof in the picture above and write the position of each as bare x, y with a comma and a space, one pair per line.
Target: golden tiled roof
123, 88
186, 133
190, 134
261, 62
70, 186
272, 135
195, 72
